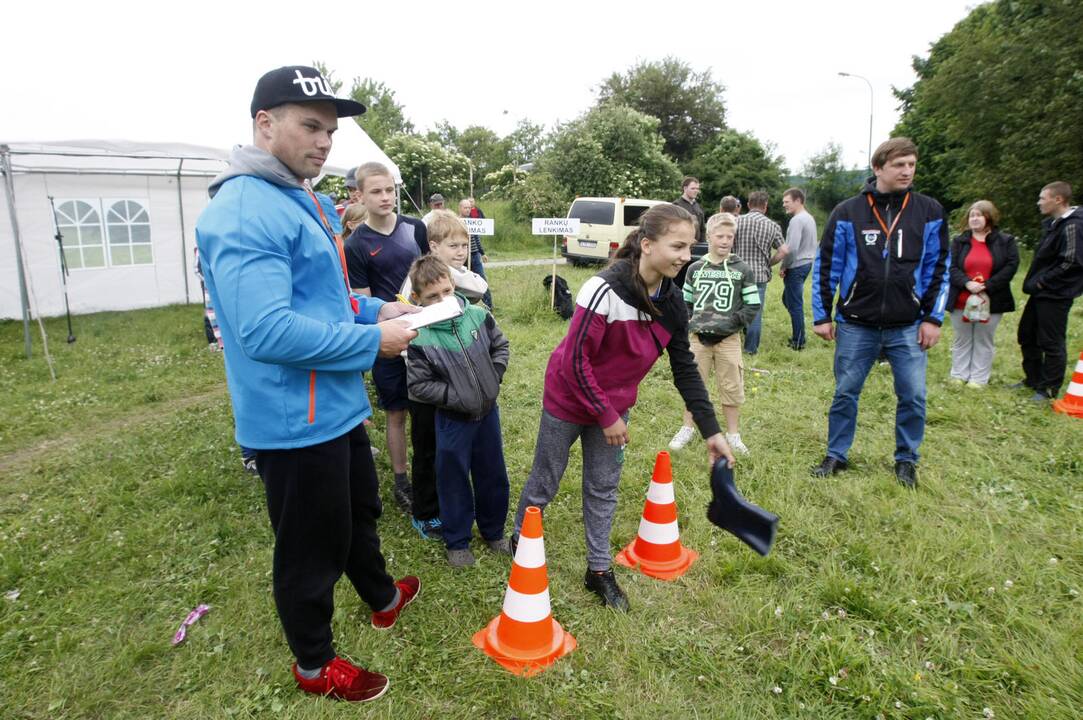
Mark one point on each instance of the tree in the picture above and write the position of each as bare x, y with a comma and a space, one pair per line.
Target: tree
328, 75
428, 166
383, 116
995, 110
688, 104
612, 150
828, 182
486, 151
736, 163
526, 142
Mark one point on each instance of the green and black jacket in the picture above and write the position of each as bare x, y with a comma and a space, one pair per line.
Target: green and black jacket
457, 365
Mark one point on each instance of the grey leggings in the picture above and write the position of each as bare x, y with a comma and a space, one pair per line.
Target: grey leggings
601, 475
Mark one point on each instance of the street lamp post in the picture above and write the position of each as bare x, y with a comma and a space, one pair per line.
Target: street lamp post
861, 77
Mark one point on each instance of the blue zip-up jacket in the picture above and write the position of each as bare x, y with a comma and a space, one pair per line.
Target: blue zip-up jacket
294, 348
881, 281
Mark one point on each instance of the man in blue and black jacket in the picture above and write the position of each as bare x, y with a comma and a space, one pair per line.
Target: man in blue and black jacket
886, 253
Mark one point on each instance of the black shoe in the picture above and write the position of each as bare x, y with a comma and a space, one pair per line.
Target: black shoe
829, 466
906, 473
404, 498
1021, 385
605, 586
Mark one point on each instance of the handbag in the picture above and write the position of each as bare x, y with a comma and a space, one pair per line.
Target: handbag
977, 306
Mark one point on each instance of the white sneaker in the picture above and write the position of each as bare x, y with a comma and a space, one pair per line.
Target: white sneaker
682, 438
734, 439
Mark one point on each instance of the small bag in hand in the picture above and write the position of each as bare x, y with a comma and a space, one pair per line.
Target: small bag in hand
977, 305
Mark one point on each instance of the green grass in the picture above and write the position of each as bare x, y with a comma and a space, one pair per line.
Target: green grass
123, 505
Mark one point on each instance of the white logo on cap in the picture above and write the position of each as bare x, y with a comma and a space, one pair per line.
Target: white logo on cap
312, 86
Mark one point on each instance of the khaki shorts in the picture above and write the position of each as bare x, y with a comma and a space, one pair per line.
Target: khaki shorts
725, 361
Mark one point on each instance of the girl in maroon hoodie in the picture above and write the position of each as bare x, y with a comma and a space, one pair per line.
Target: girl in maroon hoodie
625, 317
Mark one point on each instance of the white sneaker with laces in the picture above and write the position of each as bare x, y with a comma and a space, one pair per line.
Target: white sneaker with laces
734, 439
682, 438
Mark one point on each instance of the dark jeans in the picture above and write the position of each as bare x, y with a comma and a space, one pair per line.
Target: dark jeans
323, 505
471, 453
752, 333
856, 349
476, 266
426, 506
793, 298
1042, 330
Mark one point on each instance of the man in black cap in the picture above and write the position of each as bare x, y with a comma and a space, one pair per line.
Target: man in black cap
351, 186
296, 342
436, 202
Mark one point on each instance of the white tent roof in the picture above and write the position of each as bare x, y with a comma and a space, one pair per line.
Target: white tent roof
352, 146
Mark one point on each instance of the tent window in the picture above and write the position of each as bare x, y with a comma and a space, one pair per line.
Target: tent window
81, 230
129, 233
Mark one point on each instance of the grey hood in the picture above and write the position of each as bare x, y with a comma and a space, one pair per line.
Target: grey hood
251, 160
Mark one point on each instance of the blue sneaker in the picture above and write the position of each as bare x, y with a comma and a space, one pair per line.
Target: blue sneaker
429, 529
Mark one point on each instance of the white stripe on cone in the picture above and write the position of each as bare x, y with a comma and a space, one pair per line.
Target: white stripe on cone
1079, 365
527, 608
660, 493
659, 534
530, 553
1075, 388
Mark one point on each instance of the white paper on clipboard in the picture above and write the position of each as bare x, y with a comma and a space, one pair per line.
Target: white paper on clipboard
446, 309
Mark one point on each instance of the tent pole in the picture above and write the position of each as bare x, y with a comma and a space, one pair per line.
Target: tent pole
184, 246
9, 187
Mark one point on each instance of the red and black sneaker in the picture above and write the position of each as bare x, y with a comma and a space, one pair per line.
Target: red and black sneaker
342, 680
409, 588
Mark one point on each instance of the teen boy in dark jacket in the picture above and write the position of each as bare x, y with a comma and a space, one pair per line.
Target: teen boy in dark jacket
886, 252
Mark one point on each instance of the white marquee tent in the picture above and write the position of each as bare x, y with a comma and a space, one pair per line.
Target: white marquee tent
127, 213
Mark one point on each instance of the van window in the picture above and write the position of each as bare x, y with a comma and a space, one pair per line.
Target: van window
632, 213
592, 211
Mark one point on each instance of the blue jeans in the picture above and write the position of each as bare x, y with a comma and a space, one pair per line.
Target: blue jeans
856, 349
793, 298
752, 334
471, 478
476, 266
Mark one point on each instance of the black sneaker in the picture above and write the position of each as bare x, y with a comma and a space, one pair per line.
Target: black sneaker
906, 473
604, 585
404, 498
829, 466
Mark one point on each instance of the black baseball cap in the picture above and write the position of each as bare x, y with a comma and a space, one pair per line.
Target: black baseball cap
298, 84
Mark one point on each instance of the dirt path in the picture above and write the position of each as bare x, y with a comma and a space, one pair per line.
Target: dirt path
141, 416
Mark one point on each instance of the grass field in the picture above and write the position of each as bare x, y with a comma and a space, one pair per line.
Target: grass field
123, 505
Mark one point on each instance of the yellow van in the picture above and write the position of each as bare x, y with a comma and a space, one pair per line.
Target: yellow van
603, 225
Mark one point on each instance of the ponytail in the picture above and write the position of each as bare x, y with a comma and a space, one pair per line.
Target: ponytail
652, 224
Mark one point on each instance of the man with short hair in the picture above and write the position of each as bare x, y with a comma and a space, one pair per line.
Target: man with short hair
468, 208
800, 252
689, 201
1054, 281
731, 205
296, 343
759, 244
436, 202
886, 253
378, 255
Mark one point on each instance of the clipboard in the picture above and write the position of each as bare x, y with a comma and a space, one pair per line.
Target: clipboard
446, 309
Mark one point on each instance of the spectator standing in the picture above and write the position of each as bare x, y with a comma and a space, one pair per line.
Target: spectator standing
293, 335
983, 260
758, 243
351, 186
886, 253
378, 255
478, 258
800, 252
730, 204
436, 202
690, 202
1054, 281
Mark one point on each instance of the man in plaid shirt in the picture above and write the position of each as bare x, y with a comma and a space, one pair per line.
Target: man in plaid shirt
760, 244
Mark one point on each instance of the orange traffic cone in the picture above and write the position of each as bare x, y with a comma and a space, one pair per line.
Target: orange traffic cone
657, 549
524, 637
1072, 402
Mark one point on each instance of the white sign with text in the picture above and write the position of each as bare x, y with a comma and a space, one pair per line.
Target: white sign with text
479, 226
555, 226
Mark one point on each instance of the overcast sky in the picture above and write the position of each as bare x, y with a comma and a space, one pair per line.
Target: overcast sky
184, 71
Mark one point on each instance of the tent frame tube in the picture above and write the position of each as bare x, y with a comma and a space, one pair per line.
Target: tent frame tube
9, 187
184, 241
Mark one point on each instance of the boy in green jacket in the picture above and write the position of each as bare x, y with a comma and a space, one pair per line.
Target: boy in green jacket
458, 365
722, 299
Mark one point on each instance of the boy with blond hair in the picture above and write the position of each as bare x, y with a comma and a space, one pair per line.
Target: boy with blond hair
722, 299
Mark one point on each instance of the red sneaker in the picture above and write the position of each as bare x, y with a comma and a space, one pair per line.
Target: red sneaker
342, 680
409, 588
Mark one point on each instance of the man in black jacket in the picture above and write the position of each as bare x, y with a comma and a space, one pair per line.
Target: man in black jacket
688, 201
1054, 280
885, 251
